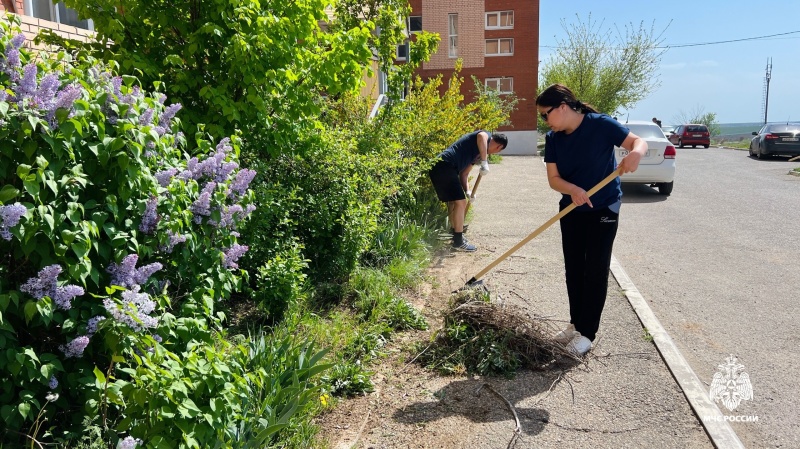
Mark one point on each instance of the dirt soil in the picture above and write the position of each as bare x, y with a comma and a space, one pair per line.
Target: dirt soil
621, 395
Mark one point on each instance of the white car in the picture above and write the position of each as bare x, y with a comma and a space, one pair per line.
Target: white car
658, 167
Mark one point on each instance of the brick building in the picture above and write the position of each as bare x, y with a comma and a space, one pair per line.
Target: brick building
498, 41
36, 15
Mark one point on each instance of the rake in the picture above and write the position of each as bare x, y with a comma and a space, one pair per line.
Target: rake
475, 280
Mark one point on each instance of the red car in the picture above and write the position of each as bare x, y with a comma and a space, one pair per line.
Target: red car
691, 134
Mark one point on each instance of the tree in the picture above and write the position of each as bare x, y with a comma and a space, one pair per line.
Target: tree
257, 66
611, 71
699, 115
388, 18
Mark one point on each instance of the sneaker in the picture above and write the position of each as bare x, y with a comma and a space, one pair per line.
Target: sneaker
566, 335
579, 345
464, 246
453, 231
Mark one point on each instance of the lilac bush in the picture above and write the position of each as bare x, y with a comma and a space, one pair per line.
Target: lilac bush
118, 240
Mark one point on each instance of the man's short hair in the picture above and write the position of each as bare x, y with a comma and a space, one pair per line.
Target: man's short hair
501, 139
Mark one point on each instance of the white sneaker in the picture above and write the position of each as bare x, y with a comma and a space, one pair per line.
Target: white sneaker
565, 336
579, 345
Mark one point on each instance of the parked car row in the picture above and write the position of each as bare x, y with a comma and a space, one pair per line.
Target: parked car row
776, 139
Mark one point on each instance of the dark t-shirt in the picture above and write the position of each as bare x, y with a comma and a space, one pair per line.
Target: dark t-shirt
464, 152
586, 156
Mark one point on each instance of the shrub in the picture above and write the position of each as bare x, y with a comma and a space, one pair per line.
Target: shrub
115, 246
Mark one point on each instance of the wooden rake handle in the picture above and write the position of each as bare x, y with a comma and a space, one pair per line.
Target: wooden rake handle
541, 228
474, 189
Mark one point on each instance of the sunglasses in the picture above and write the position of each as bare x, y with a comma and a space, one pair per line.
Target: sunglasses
545, 114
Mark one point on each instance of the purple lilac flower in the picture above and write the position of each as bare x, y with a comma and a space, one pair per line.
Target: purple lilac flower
134, 311
242, 181
150, 218
18, 40
232, 254
76, 347
143, 273
157, 338
91, 325
44, 98
147, 117
168, 114
3, 93
174, 239
116, 85
46, 284
129, 443
9, 217
132, 96
27, 87
12, 63
63, 296
165, 176
64, 100
127, 275
202, 205
53, 383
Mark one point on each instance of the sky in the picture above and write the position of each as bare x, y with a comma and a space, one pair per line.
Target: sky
724, 78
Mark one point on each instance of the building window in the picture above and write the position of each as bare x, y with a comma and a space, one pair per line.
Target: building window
45, 9
402, 52
499, 20
453, 20
499, 47
501, 85
415, 24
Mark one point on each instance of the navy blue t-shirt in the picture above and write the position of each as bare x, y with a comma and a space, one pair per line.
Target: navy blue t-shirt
463, 152
586, 156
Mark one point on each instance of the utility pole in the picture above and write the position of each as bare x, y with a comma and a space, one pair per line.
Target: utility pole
766, 89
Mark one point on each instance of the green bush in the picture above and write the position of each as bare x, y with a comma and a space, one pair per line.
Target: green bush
116, 247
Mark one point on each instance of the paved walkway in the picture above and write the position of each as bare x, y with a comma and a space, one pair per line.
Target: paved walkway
623, 397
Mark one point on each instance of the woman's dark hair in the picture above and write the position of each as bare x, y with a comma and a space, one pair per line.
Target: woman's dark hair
556, 94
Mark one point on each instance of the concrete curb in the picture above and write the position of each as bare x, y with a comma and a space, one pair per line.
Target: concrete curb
719, 431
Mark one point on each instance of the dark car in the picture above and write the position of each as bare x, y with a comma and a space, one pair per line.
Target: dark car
691, 134
776, 138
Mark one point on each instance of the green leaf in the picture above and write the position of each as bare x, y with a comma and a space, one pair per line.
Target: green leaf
7, 193
24, 409
101, 378
23, 170
32, 187
30, 311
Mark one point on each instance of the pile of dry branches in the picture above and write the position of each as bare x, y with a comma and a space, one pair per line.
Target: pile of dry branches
526, 335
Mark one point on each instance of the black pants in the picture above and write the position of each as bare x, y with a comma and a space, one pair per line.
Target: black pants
587, 239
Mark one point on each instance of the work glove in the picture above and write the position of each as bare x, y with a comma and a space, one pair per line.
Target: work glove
471, 197
484, 168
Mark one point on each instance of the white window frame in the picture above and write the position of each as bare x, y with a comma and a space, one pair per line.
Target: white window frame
28, 5
498, 40
409, 24
498, 83
499, 15
452, 35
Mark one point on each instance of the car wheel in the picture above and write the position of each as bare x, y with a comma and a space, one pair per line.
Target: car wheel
750, 150
665, 188
705, 146
680, 143
694, 146
759, 155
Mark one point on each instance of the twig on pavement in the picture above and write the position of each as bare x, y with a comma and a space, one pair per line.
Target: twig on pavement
518, 428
